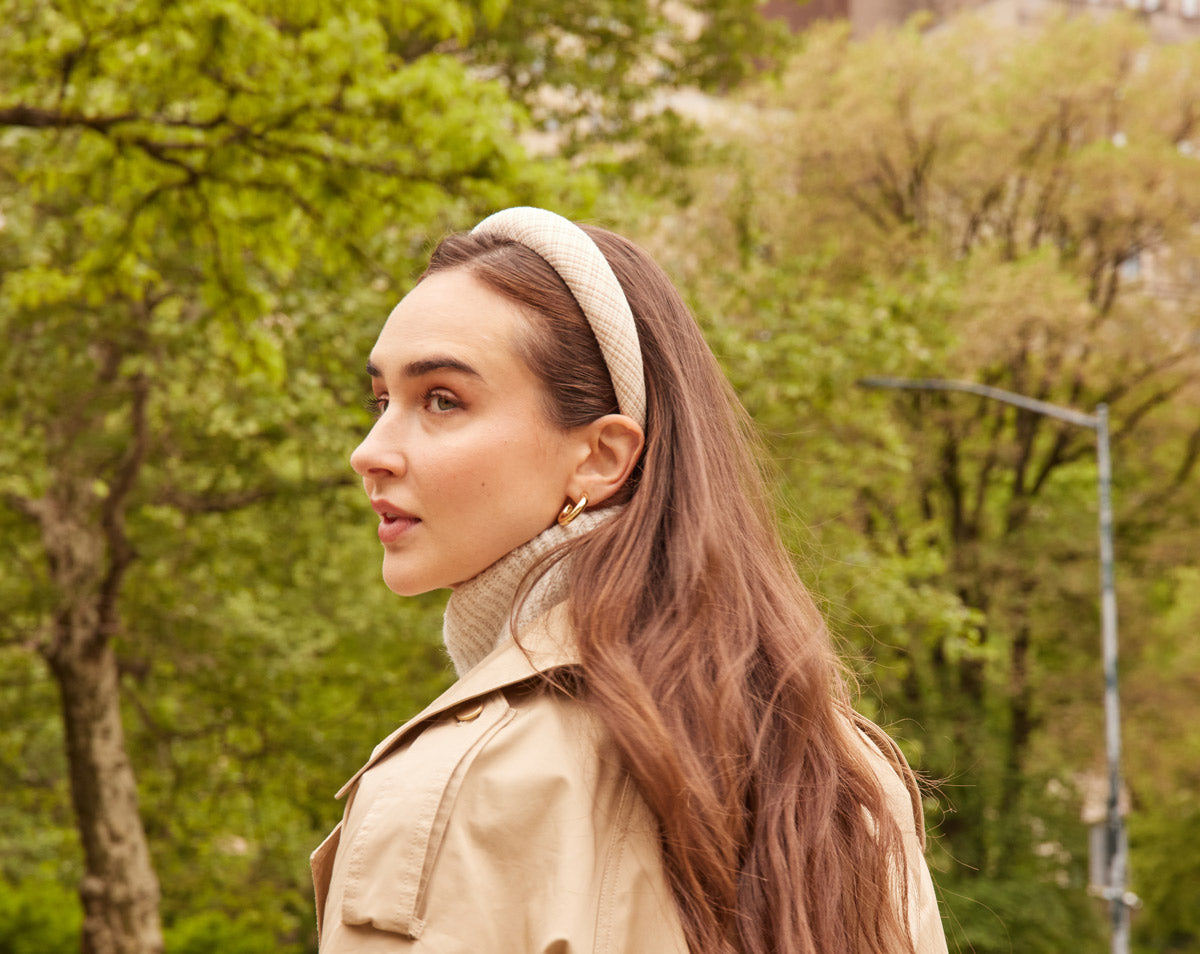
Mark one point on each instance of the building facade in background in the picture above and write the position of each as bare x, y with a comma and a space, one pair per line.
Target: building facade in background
1168, 20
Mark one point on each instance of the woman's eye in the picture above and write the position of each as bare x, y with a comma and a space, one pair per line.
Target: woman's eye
440, 403
376, 404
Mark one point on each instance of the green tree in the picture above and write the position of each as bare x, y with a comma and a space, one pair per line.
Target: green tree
181, 187
1015, 209
198, 201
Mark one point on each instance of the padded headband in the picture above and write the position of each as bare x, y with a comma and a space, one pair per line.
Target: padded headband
581, 265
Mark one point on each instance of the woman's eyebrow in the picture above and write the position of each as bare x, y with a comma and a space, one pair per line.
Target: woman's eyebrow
415, 369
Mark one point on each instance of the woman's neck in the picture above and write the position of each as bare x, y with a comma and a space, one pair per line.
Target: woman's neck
479, 612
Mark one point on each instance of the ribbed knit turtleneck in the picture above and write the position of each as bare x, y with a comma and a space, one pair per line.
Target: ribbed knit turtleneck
478, 613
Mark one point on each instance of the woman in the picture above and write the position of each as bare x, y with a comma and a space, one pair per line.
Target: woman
649, 748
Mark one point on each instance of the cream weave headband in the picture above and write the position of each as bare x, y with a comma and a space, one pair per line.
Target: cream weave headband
586, 272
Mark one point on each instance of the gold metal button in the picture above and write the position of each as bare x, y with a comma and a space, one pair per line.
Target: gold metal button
469, 713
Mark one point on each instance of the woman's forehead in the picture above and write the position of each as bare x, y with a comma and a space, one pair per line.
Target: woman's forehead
452, 319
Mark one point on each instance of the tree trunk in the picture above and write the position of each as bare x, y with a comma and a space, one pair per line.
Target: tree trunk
1020, 704
120, 890
88, 555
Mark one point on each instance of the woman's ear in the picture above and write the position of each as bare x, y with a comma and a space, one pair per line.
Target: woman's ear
613, 446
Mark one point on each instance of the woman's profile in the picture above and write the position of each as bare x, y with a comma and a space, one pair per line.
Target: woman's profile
649, 747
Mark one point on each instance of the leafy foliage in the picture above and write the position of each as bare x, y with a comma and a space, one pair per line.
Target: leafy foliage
38, 916
205, 209
196, 202
1012, 209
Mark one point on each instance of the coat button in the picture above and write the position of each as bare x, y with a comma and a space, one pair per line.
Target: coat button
469, 713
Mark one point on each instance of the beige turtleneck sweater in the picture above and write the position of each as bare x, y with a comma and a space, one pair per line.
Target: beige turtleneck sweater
478, 614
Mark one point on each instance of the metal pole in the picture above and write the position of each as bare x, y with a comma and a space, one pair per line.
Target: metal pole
1070, 415
1116, 848
1115, 836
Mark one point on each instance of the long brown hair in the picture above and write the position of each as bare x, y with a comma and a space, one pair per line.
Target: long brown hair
702, 652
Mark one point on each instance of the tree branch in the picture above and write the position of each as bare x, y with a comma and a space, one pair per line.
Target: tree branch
990, 460
1165, 363
1054, 459
1191, 456
157, 151
112, 517
24, 506
1130, 420
35, 118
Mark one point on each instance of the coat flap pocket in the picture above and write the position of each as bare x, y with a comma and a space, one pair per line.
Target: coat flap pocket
404, 802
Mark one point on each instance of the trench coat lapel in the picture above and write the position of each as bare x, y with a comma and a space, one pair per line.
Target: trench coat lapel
546, 645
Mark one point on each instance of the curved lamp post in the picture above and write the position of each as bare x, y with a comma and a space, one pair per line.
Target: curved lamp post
1114, 891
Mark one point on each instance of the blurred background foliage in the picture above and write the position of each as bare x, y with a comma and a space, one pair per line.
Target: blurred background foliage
207, 208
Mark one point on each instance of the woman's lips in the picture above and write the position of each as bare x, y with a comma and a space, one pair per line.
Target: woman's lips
393, 521
393, 527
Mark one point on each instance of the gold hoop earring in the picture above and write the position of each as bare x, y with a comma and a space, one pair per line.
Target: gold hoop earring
571, 510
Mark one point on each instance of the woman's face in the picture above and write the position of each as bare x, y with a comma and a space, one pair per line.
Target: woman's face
461, 464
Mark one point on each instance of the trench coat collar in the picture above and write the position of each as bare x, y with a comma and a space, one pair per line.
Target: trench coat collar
546, 644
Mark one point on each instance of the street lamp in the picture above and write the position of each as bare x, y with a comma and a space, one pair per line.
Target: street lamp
1114, 891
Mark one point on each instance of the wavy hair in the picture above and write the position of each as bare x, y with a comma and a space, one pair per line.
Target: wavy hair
702, 652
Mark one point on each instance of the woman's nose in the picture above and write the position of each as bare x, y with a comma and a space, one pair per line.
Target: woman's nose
379, 453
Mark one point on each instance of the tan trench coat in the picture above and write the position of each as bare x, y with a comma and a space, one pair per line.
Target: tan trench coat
499, 820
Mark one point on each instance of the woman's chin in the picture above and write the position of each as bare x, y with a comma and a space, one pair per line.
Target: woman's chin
403, 581
404, 584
